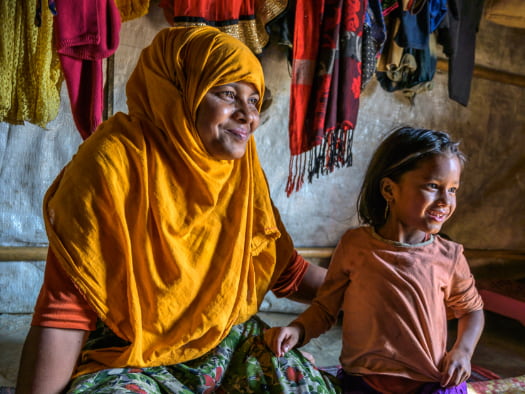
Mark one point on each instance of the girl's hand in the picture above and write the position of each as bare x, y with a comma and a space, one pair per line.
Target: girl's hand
282, 339
456, 364
456, 368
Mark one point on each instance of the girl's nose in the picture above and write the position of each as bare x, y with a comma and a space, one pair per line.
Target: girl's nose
444, 198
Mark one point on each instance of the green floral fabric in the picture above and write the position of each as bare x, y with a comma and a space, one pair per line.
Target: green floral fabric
240, 364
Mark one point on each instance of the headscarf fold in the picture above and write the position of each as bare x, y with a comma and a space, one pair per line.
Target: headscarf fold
170, 246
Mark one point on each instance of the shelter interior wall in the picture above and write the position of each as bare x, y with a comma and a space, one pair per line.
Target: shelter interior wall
492, 130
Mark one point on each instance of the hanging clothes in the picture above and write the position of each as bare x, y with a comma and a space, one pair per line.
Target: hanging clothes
30, 76
457, 34
87, 31
326, 85
374, 37
410, 63
245, 20
132, 9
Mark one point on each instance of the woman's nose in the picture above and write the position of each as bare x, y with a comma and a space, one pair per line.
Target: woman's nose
246, 112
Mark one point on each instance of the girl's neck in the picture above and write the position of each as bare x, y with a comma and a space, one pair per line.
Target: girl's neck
397, 235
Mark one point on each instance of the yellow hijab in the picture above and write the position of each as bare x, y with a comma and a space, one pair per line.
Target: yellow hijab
169, 246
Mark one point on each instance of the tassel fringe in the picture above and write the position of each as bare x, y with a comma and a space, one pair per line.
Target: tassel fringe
334, 152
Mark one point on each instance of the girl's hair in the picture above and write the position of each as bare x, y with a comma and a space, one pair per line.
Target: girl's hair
400, 152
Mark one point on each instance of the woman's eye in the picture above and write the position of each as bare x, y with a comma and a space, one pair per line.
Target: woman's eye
254, 100
227, 94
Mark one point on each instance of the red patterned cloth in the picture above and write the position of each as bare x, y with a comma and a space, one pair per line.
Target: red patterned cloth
245, 20
86, 32
326, 80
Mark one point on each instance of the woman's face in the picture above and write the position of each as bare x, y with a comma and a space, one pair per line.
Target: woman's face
226, 118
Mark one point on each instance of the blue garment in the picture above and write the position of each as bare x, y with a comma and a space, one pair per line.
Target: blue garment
416, 27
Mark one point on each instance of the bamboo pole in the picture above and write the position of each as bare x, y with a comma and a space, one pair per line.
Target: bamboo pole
23, 253
475, 256
489, 74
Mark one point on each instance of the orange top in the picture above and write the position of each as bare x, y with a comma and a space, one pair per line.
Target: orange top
395, 299
60, 304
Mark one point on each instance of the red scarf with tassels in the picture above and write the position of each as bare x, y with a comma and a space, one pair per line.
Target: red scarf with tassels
326, 84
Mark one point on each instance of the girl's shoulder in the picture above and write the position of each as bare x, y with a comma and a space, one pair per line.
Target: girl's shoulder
447, 241
446, 246
356, 235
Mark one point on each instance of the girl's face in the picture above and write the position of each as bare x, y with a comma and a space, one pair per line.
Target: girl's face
423, 199
226, 118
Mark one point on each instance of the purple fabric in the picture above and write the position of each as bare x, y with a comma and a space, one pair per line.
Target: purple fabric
354, 384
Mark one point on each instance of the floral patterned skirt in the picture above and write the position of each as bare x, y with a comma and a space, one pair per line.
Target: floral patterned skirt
240, 364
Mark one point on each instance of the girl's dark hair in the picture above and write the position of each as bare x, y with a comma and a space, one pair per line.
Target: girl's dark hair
400, 152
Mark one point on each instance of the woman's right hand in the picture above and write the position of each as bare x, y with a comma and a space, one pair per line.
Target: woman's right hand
283, 339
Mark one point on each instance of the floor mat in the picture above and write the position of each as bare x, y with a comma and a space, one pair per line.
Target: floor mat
499, 386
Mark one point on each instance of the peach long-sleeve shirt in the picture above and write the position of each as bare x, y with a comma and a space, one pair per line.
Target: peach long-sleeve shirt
395, 300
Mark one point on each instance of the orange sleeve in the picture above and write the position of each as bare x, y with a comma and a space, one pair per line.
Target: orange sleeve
291, 277
60, 304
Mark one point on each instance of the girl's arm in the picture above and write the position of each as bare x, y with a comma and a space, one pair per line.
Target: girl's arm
456, 364
48, 359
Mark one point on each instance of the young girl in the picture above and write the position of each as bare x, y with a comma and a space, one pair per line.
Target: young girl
396, 280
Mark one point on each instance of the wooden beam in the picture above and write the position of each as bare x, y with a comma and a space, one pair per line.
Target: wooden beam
23, 253
489, 74
475, 256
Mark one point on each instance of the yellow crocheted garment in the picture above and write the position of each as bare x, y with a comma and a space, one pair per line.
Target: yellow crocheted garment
30, 75
131, 9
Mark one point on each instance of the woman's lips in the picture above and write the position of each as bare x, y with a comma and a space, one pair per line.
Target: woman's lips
239, 133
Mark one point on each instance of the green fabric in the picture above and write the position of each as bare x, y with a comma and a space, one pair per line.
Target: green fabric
240, 364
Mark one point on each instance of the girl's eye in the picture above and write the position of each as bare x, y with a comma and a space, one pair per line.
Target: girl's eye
453, 190
432, 185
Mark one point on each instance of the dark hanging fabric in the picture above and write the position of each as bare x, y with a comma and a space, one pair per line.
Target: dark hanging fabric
326, 84
457, 34
86, 32
374, 36
245, 20
412, 63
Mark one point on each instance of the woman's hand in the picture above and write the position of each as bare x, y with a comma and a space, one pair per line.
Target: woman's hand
283, 339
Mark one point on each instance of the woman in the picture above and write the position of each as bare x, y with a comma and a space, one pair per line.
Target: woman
162, 230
